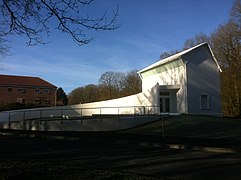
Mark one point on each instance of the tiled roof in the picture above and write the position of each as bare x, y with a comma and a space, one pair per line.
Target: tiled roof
10, 80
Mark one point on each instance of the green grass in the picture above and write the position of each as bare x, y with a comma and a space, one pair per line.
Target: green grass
194, 126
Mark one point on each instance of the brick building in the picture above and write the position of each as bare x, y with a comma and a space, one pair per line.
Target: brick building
26, 90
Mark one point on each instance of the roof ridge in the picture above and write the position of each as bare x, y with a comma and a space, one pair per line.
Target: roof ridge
19, 76
171, 58
24, 81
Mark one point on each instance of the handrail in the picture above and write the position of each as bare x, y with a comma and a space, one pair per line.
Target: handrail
40, 113
58, 108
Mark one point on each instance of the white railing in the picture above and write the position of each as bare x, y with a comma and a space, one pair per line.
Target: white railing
74, 113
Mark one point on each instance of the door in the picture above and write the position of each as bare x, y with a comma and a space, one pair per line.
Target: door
164, 104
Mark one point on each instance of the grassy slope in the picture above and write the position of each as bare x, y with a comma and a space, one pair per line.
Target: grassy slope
194, 126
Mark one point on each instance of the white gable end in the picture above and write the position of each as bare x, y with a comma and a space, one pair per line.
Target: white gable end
195, 72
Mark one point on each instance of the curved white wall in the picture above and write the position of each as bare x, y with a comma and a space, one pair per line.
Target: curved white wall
126, 105
142, 103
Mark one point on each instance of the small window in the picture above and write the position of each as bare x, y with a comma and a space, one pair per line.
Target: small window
46, 91
20, 100
10, 89
37, 101
204, 102
47, 101
37, 91
20, 90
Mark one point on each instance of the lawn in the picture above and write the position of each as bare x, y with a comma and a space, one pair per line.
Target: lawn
194, 126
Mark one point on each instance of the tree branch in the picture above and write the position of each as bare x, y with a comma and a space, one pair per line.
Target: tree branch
35, 19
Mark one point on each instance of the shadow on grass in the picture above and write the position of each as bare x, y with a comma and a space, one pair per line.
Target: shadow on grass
103, 157
194, 126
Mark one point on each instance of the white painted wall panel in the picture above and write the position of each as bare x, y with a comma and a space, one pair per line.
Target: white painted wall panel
174, 76
169, 77
203, 78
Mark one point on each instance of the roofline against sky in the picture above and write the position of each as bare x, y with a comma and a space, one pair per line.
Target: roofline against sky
177, 56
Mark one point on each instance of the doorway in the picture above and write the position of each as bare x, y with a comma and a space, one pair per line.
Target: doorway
165, 102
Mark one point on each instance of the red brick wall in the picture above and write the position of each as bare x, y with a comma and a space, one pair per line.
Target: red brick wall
28, 95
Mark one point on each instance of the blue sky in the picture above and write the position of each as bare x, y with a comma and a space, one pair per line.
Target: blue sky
148, 28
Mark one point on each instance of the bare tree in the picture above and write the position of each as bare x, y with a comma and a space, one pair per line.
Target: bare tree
91, 93
235, 12
198, 39
35, 19
226, 43
76, 96
4, 47
131, 83
112, 82
166, 54
111, 85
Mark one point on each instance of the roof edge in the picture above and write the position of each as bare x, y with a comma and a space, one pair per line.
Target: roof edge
44, 83
174, 57
214, 58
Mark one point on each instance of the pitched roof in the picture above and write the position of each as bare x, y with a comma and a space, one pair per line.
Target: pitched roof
177, 56
10, 80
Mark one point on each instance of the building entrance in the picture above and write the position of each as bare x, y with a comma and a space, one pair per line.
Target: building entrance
165, 102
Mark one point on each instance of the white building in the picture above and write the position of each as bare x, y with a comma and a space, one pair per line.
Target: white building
187, 82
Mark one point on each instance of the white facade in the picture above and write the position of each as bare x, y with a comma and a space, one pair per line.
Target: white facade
189, 82
172, 79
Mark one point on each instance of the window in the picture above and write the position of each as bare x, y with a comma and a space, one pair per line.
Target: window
37, 91
164, 105
204, 102
47, 101
20, 100
37, 101
46, 91
20, 90
10, 89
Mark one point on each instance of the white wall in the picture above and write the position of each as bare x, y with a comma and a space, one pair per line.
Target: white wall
81, 125
203, 78
170, 77
126, 105
135, 104
175, 76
